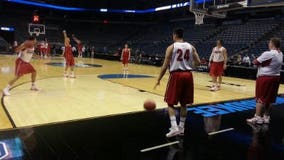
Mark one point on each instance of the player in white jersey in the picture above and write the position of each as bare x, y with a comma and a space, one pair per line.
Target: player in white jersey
180, 58
23, 65
45, 50
217, 64
267, 82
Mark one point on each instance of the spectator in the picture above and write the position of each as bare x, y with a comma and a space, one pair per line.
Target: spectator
239, 60
246, 61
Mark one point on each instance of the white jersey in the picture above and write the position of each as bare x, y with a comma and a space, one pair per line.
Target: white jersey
45, 45
182, 58
270, 63
217, 54
27, 54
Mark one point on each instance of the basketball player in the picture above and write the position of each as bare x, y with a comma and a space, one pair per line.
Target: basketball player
23, 66
267, 82
125, 57
217, 64
79, 47
68, 55
180, 58
45, 50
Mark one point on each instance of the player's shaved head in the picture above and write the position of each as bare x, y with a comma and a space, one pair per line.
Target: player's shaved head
178, 32
219, 42
31, 38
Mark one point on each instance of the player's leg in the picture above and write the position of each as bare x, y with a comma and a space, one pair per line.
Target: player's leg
267, 112
219, 81
9, 85
259, 109
272, 92
260, 92
172, 97
183, 114
33, 78
186, 97
72, 72
213, 74
126, 68
66, 70
214, 83
123, 68
174, 130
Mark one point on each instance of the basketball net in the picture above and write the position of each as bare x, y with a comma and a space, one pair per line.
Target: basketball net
34, 33
199, 18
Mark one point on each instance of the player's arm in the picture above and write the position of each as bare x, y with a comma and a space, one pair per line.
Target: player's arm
225, 54
211, 58
21, 47
166, 63
196, 58
76, 39
63, 51
129, 54
65, 36
264, 57
121, 54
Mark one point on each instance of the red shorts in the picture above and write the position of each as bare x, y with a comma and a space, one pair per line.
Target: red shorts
216, 69
69, 60
125, 60
23, 67
180, 88
266, 89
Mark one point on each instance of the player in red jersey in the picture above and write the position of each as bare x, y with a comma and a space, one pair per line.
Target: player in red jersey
125, 57
79, 46
269, 66
180, 58
217, 64
23, 66
68, 55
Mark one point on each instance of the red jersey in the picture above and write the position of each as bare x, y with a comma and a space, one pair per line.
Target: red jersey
69, 56
125, 53
68, 51
80, 46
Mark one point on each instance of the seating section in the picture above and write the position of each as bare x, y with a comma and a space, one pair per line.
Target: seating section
152, 38
4, 45
262, 45
238, 37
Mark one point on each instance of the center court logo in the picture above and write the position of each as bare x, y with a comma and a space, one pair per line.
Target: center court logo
229, 107
3, 150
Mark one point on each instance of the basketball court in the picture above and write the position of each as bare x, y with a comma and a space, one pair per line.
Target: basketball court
99, 115
99, 90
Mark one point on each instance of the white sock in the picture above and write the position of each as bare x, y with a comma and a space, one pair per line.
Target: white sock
182, 121
33, 83
8, 86
173, 121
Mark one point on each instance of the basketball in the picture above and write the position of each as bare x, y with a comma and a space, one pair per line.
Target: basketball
29, 44
149, 105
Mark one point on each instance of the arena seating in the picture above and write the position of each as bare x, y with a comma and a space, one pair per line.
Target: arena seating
4, 45
248, 37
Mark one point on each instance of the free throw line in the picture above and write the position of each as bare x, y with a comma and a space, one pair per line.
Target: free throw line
221, 131
159, 146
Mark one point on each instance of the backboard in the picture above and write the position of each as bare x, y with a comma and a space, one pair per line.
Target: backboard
215, 8
36, 29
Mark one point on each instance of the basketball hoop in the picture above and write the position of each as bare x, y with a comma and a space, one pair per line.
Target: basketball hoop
37, 33
199, 18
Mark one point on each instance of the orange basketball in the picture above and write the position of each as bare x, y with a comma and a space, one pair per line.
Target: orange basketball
29, 44
149, 105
